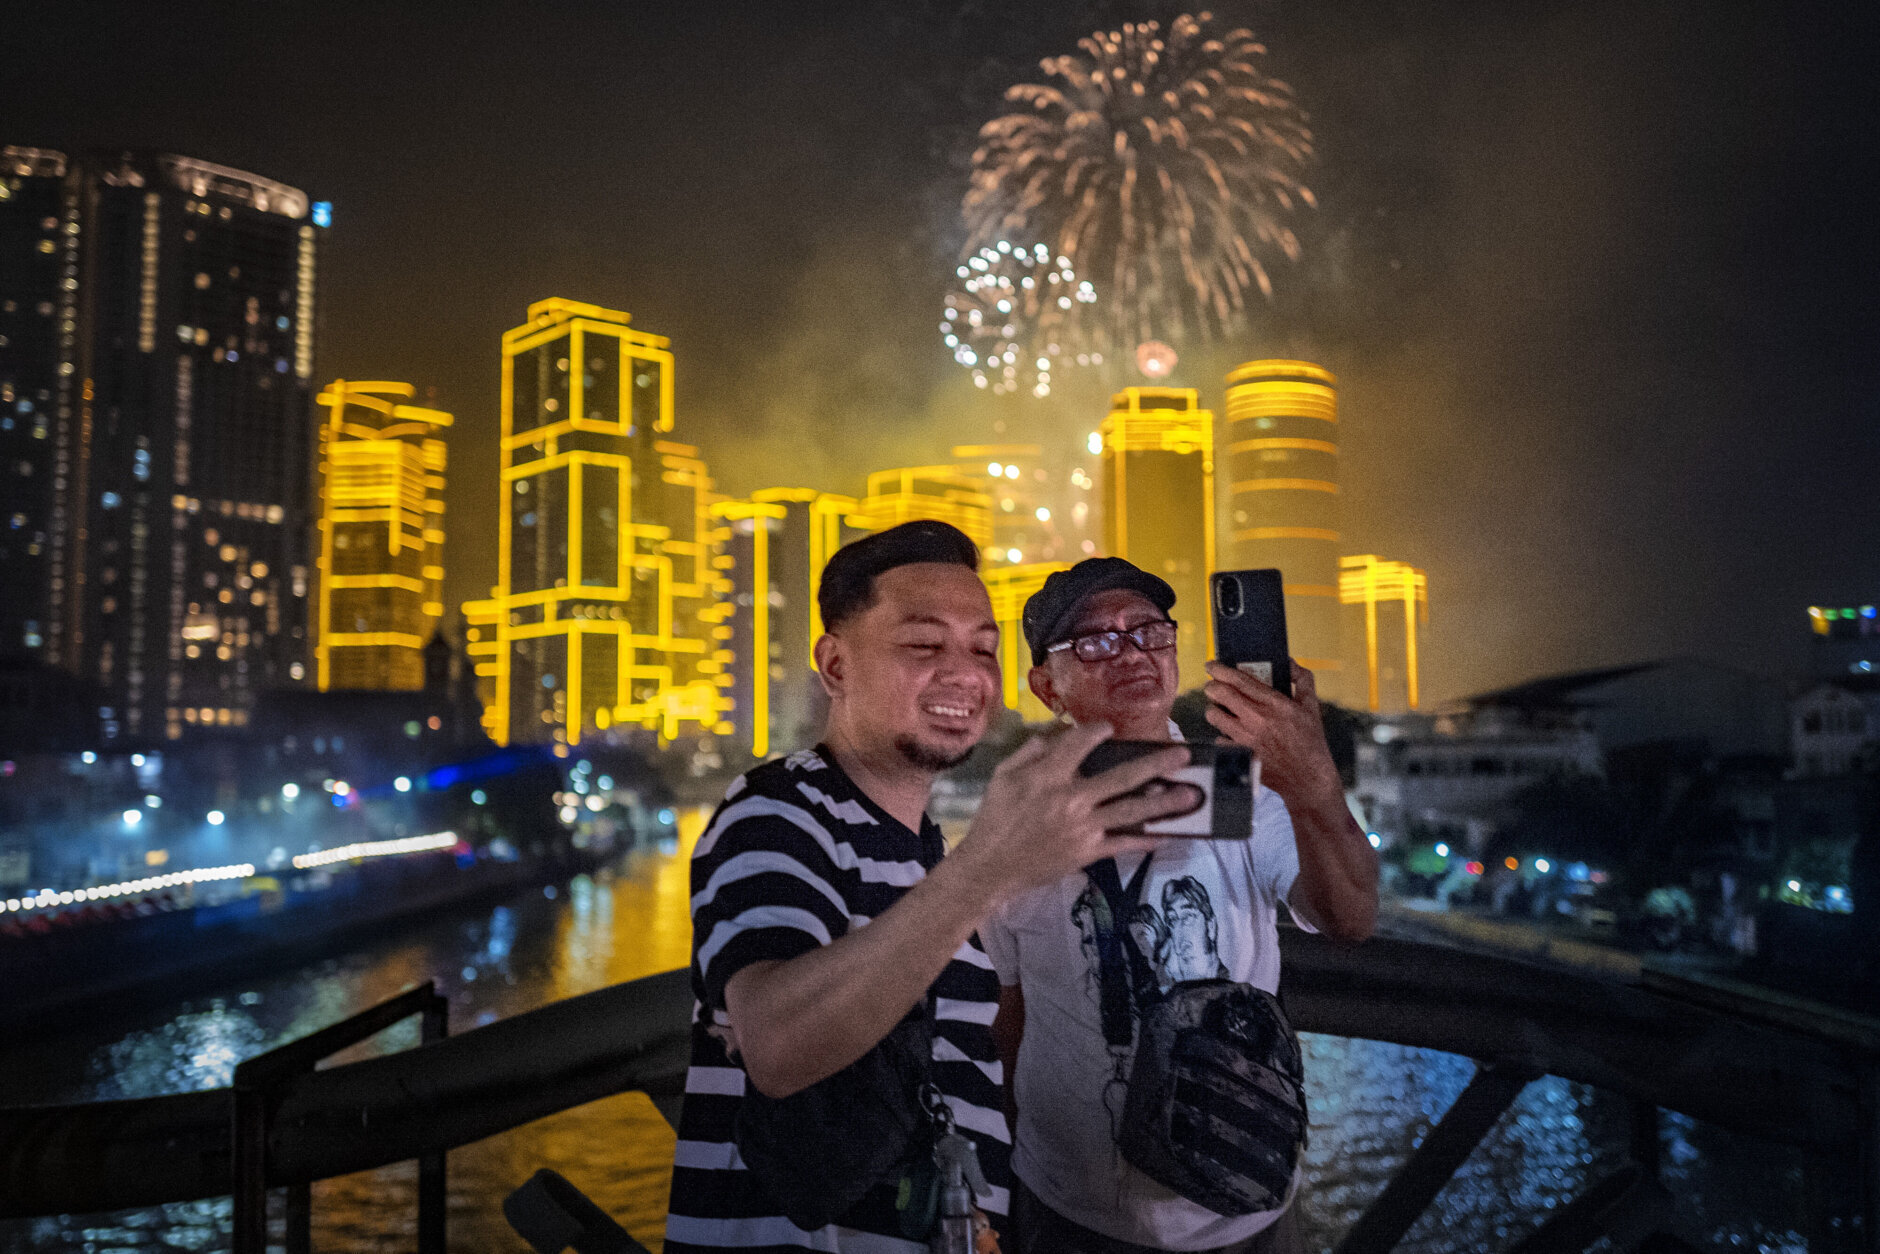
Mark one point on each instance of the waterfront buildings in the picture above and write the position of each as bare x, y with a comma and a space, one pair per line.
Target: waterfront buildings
1010, 587
1368, 581
166, 388
1280, 454
38, 366
1157, 447
603, 614
943, 493
773, 547
381, 536
1833, 727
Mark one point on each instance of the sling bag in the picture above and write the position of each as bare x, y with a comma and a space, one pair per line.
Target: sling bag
1216, 1106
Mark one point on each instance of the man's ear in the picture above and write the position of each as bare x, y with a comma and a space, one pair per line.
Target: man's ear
831, 664
1042, 688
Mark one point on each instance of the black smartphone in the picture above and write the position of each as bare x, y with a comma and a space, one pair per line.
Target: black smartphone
1250, 624
1222, 774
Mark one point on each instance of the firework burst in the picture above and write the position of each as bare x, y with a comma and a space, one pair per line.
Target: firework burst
1011, 319
1166, 168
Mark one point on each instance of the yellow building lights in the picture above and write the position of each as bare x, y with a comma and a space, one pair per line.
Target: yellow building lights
753, 519
602, 613
1010, 587
1280, 450
941, 493
1365, 580
1158, 502
381, 564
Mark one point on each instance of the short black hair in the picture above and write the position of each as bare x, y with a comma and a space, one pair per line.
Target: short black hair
848, 581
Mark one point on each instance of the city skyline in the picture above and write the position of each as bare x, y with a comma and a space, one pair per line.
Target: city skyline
1567, 523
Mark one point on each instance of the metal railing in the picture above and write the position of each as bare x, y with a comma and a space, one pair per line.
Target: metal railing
262, 1082
1789, 1075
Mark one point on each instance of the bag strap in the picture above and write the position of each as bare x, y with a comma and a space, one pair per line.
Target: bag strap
1124, 973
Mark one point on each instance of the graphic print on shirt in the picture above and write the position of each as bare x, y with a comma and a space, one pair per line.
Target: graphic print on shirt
1181, 942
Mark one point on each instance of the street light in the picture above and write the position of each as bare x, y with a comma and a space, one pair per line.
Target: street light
216, 817
133, 817
290, 791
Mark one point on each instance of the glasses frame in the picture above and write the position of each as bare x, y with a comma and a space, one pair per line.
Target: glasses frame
1132, 636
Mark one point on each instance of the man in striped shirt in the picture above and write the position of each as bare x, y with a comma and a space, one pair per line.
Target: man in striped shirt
822, 913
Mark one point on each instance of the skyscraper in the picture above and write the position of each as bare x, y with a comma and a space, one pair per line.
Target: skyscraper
775, 546
941, 493
603, 615
39, 239
1010, 587
175, 555
1281, 454
381, 554
1158, 503
1367, 580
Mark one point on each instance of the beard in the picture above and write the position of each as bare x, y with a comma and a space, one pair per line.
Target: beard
928, 758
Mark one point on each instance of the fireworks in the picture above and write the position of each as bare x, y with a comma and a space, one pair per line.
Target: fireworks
1164, 168
1011, 319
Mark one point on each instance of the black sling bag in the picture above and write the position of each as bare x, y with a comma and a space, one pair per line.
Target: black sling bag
1216, 1108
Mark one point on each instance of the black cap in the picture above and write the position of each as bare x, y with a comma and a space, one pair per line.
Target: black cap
1052, 610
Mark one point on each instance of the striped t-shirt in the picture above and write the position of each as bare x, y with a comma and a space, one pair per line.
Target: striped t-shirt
795, 857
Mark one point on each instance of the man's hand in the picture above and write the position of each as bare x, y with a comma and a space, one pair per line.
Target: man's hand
1336, 890
801, 1020
1287, 734
1041, 820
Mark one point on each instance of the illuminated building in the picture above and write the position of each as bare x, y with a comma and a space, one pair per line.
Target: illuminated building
381, 558
1365, 581
1010, 587
603, 614
39, 242
1158, 502
1281, 454
182, 339
480, 652
1031, 520
774, 547
942, 493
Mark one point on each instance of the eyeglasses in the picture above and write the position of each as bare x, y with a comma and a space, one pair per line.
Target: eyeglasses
1101, 646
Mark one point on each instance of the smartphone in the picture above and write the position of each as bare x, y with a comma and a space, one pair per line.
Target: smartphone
1250, 624
1223, 775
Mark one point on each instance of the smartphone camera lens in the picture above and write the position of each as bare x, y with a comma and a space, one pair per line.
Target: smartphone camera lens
1227, 597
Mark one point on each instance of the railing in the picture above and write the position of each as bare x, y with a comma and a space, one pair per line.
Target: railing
260, 1084
1790, 1076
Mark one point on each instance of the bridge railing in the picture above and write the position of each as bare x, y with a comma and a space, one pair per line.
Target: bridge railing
1785, 1075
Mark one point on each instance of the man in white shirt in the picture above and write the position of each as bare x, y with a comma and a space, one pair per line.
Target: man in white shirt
1103, 650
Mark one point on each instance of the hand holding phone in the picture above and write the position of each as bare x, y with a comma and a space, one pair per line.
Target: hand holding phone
1221, 776
1250, 625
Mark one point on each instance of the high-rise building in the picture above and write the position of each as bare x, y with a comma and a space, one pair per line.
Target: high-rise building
176, 560
1158, 503
39, 271
602, 615
1039, 513
1367, 581
1010, 587
942, 493
1281, 453
774, 548
381, 556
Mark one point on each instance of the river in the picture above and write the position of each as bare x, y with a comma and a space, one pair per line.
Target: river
1370, 1102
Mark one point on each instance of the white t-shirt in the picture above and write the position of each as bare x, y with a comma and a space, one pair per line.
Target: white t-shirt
1211, 912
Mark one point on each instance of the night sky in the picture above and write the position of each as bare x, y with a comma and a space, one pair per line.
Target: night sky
1598, 279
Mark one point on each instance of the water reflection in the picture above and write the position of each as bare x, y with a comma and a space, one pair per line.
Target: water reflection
1372, 1103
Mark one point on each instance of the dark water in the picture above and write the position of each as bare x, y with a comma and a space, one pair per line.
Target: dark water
1371, 1103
